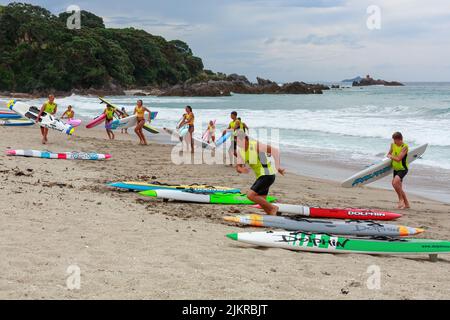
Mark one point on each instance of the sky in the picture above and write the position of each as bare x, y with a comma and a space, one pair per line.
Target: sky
288, 40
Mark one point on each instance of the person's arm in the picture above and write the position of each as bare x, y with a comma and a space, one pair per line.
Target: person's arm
149, 114
390, 152
275, 153
400, 156
65, 112
40, 113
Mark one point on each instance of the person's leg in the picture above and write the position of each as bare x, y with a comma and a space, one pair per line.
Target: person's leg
43, 135
397, 184
136, 130
261, 200
259, 191
144, 140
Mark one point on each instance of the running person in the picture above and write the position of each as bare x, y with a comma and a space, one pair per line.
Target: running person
399, 156
231, 127
256, 155
188, 119
49, 107
211, 132
109, 113
139, 111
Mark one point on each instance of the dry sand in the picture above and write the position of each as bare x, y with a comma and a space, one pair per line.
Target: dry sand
59, 213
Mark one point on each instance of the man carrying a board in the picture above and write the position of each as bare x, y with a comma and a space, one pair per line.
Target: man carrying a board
49, 107
256, 155
398, 153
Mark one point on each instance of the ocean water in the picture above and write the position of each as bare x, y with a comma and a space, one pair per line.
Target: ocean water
348, 127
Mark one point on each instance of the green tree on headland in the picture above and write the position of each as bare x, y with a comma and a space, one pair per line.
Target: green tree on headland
38, 52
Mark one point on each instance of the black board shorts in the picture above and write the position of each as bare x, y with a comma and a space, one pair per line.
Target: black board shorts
262, 185
401, 174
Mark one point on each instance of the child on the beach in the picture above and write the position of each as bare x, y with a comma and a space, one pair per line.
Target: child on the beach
211, 132
256, 155
124, 115
398, 153
69, 113
109, 113
49, 107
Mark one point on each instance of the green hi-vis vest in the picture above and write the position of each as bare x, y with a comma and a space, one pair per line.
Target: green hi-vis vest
50, 107
400, 165
259, 162
109, 114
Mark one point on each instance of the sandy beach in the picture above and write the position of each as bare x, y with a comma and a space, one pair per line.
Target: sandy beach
59, 213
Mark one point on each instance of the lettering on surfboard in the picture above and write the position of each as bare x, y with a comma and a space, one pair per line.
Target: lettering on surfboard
307, 240
371, 176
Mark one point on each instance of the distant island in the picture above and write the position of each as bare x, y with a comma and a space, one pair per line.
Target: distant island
357, 79
369, 81
41, 55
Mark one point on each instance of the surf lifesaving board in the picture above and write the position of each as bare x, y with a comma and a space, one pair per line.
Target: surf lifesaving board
11, 115
355, 228
61, 155
223, 139
215, 198
46, 120
381, 169
336, 213
128, 122
16, 123
199, 188
197, 141
301, 241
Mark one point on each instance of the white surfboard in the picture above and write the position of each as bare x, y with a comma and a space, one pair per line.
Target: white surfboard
381, 169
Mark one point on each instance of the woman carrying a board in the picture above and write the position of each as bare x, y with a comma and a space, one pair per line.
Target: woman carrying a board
140, 111
399, 155
50, 107
188, 119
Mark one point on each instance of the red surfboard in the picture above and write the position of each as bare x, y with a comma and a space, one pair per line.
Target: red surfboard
335, 213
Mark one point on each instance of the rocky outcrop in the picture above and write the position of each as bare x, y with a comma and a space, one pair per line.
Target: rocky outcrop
240, 84
369, 81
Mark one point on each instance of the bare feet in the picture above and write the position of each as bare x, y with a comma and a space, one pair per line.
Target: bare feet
274, 211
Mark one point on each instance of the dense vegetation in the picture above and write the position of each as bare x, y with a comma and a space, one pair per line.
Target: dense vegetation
38, 52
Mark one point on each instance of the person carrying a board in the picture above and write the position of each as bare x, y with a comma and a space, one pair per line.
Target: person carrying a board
188, 119
398, 153
139, 111
49, 107
109, 112
124, 115
232, 127
256, 155
241, 125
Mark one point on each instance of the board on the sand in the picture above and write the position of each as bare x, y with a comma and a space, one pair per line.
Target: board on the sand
336, 213
59, 155
355, 228
337, 244
197, 141
381, 169
215, 198
199, 188
46, 120
11, 115
16, 123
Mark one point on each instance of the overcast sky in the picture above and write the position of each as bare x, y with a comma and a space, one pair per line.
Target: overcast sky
287, 40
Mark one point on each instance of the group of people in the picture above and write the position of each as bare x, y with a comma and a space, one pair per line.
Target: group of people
247, 153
